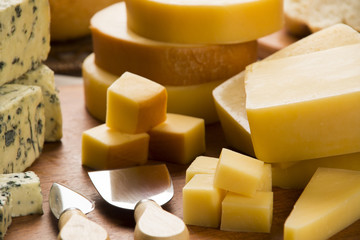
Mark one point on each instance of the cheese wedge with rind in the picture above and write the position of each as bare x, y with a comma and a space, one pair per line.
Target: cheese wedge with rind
206, 22
292, 121
117, 50
328, 204
229, 97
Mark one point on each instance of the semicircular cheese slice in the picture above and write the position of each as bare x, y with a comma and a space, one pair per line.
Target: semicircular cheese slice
204, 21
194, 100
118, 50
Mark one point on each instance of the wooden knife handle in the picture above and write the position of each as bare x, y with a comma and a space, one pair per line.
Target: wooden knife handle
73, 224
152, 222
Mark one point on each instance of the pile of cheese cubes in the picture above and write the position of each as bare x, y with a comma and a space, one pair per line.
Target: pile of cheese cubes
137, 125
233, 191
176, 44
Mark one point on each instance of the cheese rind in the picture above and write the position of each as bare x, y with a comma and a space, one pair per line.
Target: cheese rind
292, 121
24, 37
25, 192
238, 173
178, 139
328, 204
44, 78
206, 22
117, 50
105, 148
130, 109
22, 121
192, 100
5, 213
230, 96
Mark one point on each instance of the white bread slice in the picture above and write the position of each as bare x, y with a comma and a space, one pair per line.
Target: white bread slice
305, 16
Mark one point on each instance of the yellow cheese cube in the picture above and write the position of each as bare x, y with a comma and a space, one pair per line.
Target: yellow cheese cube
288, 99
230, 96
299, 173
179, 139
238, 173
135, 104
199, 21
105, 148
202, 201
247, 214
328, 204
265, 184
201, 165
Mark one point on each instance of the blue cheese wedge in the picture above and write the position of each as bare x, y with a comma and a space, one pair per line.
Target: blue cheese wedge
24, 36
5, 212
44, 78
22, 120
25, 192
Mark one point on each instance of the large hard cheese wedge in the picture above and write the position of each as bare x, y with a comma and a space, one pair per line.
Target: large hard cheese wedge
44, 78
22, 121
192, 100
25, 192
135, 104
287, 103
118, 50
199, 21
24, 36
328, 204
230, 96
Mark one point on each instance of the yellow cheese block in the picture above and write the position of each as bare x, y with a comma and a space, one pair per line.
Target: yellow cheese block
135, 104
230, 96
179, 139
105, 148
70, 19
200, 21
328, 204
117, 50
287, 103
194, 100
201, 165
238, 173
247, 214
298, 174
202, 201
265, 184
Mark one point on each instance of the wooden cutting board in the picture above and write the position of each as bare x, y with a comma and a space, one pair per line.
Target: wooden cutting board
61, 162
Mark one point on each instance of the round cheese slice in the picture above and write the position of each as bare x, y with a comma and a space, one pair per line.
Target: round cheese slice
204, 21
195, 100
118, 50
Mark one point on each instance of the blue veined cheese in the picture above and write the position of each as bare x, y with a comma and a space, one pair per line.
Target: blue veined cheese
24, 36
44, 78
22, 120
25, 192
5, 212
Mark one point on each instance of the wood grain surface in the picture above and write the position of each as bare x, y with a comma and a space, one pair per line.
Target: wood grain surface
61, 162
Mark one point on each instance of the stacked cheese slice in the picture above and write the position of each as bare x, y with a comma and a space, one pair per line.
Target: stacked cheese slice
137, 125
212, 42
30, 111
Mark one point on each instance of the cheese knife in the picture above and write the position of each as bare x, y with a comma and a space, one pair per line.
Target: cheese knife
70, 208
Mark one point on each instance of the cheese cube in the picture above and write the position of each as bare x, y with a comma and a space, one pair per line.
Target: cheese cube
24, 36
22, 120
297, 174
25, 192
288, 99
105, 148
44, 78
5, 213
201, 165
135, 104
238, 173
328, 204
265, 184
247, 214
202, 201
179, 139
